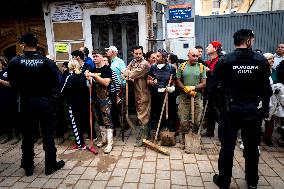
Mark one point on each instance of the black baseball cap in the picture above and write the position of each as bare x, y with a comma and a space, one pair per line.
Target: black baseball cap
30, 39
244, 33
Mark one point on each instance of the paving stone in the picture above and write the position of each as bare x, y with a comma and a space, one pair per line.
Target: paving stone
71, 179
162, 184
139, 154
60, 174
178, 177
146, 186
275, 182
52, 183
65, 186
238, 172
178, 187
192, 169
265, 170
97, 184
38, 182
200, 157
194, 181
281, 160
204, 166
207, 176
210, 185
147, 178
119, 172
162, 156
129, 185
103, 176
20, 185
149, 167
70, 164
241, 183
150, 158
90, 173
175, 153
176, 165
273, 162
163, 175
123, 163
95, 162
115, 181
195, 187
115, 153
135, 163
126, 154
83, 184
264, 187
9, 181
78, 170
189, 158
10, 170
163, 164
262, 181
132, 175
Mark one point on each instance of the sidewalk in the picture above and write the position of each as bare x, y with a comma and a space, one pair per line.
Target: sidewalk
130, 168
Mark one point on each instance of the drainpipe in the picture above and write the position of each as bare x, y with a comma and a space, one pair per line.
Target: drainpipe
164, 26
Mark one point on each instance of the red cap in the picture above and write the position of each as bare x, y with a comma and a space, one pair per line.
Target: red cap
216, 44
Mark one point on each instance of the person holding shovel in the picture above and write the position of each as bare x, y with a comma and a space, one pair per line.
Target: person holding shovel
191, 78
136, 72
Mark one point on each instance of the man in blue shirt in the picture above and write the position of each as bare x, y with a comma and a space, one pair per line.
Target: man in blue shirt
87, 59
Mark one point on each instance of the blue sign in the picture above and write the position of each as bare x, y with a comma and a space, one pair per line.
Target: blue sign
180, 13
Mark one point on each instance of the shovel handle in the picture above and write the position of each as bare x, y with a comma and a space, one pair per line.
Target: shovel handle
192, 108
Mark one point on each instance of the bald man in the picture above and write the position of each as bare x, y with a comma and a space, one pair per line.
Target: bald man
191, 78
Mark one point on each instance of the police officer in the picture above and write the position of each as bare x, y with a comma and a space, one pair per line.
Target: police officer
34, 77
241, 79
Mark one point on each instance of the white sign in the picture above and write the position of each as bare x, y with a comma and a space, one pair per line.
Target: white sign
163, 2
66, 11
182, 29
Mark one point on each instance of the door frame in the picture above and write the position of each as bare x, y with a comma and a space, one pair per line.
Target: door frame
140, 9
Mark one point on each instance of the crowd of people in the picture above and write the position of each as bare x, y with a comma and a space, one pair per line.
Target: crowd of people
88, 93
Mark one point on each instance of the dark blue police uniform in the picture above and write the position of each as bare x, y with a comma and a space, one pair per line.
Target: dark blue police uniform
241, 79
34, 77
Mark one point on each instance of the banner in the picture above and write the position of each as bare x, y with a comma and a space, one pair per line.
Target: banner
182, 29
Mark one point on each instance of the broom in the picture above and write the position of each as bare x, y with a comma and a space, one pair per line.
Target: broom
91, 147
153, 145
193, 141
129, 122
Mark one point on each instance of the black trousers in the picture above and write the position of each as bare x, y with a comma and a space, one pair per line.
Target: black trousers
251, 135
33, 111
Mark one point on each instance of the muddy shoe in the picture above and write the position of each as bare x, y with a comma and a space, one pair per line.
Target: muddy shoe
51, 169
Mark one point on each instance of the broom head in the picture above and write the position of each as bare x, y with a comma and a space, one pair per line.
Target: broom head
156, 147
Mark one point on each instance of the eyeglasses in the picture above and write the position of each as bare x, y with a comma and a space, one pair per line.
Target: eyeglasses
194, 55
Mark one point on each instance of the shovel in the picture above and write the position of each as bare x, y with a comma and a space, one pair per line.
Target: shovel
193, 141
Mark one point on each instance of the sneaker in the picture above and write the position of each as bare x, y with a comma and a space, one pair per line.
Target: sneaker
216, 180
51, 169
252, 187
75, 147
242, 146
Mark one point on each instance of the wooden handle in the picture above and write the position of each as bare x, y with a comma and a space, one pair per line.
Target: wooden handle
192, 108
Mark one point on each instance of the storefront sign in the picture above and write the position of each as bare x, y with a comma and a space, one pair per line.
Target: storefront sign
66, 11
61, 47
182, 29
180, 12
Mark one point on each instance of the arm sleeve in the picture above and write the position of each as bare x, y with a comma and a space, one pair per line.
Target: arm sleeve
12, 72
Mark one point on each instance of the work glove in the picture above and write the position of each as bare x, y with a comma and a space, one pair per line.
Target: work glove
192, 93
171, 89
188, 89
161, 90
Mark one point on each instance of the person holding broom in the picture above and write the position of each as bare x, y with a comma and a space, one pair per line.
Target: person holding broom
159, 76
136, 72
191, 79
102, 77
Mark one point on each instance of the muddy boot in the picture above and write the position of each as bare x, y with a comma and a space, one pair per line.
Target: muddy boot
109, 134
142, 134
182, 140
104, 137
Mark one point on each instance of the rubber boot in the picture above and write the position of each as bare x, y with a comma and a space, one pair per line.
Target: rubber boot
109, 134
142, 134
104, 137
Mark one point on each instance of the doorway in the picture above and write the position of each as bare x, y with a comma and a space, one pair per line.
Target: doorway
120, 30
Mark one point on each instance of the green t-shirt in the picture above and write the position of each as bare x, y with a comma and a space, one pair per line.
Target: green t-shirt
191, 74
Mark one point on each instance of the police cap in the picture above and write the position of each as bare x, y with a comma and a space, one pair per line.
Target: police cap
30, 39
244, 33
